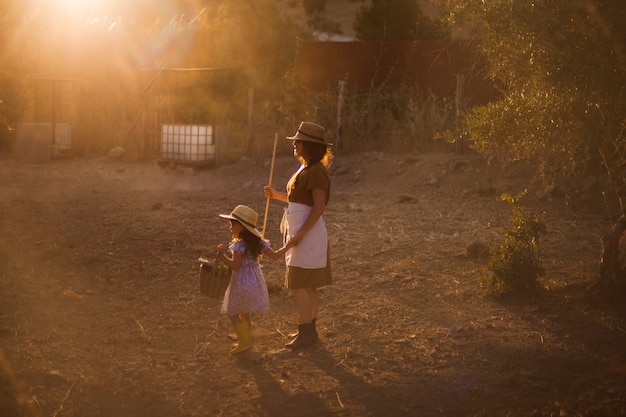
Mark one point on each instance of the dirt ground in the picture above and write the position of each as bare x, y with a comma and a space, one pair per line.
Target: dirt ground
101, 315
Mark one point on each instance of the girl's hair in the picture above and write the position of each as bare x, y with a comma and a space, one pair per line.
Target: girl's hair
316, 152
252, 243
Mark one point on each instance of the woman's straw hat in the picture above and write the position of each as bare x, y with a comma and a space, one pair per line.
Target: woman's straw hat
246, 217
311, 132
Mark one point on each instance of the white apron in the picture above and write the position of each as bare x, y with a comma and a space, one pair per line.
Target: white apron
312, 251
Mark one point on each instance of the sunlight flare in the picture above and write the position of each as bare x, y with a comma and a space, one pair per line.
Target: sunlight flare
78, 5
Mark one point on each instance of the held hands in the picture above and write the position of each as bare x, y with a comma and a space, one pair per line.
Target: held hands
297, 237
280, 252
293, 241
221, 248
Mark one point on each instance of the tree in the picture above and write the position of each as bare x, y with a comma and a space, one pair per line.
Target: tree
393, 20
254, 35
562, 69
312, 7
16, 52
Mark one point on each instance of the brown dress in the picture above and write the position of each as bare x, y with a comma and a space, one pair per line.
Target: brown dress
300, 190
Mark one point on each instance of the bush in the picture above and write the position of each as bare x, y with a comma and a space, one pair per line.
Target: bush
401, 119
514, 266
393, 20
312, 7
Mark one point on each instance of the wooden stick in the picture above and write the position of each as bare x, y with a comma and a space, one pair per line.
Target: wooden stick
267, 202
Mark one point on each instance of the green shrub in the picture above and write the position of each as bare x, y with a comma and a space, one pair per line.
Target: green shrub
515, 265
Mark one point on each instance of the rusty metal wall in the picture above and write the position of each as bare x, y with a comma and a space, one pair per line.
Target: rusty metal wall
35, 142
432, 66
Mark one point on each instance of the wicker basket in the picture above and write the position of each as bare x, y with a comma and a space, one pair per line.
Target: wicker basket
213, 283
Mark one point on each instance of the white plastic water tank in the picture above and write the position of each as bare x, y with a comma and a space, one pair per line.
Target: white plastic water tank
187, 143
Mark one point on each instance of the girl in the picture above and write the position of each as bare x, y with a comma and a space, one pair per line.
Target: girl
247, 292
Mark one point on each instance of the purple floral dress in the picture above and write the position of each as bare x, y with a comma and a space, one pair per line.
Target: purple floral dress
247, 291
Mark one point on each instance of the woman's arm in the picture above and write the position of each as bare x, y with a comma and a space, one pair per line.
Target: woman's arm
276, 195
319, 204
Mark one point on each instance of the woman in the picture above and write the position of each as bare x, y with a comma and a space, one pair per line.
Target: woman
308, 260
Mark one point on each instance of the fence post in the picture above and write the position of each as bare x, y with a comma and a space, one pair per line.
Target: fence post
460, 80
340, 102
460, 143
250, 118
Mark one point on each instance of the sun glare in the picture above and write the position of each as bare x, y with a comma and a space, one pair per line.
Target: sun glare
82, 7
78, 4
136, 9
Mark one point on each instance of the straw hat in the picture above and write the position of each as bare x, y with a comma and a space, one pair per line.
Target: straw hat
311, 132
246, 216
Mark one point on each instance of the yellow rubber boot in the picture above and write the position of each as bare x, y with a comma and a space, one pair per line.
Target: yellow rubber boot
233, 336
243, 336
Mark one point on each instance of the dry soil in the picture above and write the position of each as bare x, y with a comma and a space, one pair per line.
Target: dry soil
101, 314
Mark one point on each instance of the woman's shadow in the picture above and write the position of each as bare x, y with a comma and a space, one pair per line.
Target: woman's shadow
353, 392
275, 401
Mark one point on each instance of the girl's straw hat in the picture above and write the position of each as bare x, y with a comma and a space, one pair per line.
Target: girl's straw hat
246, 216
311, 132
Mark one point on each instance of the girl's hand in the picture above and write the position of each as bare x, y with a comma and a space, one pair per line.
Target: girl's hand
221, 248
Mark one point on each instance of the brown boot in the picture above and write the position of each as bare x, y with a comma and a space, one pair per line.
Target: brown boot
316, 337
306, 337
314, 321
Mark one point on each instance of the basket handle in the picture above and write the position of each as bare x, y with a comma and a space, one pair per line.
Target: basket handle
206, 261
